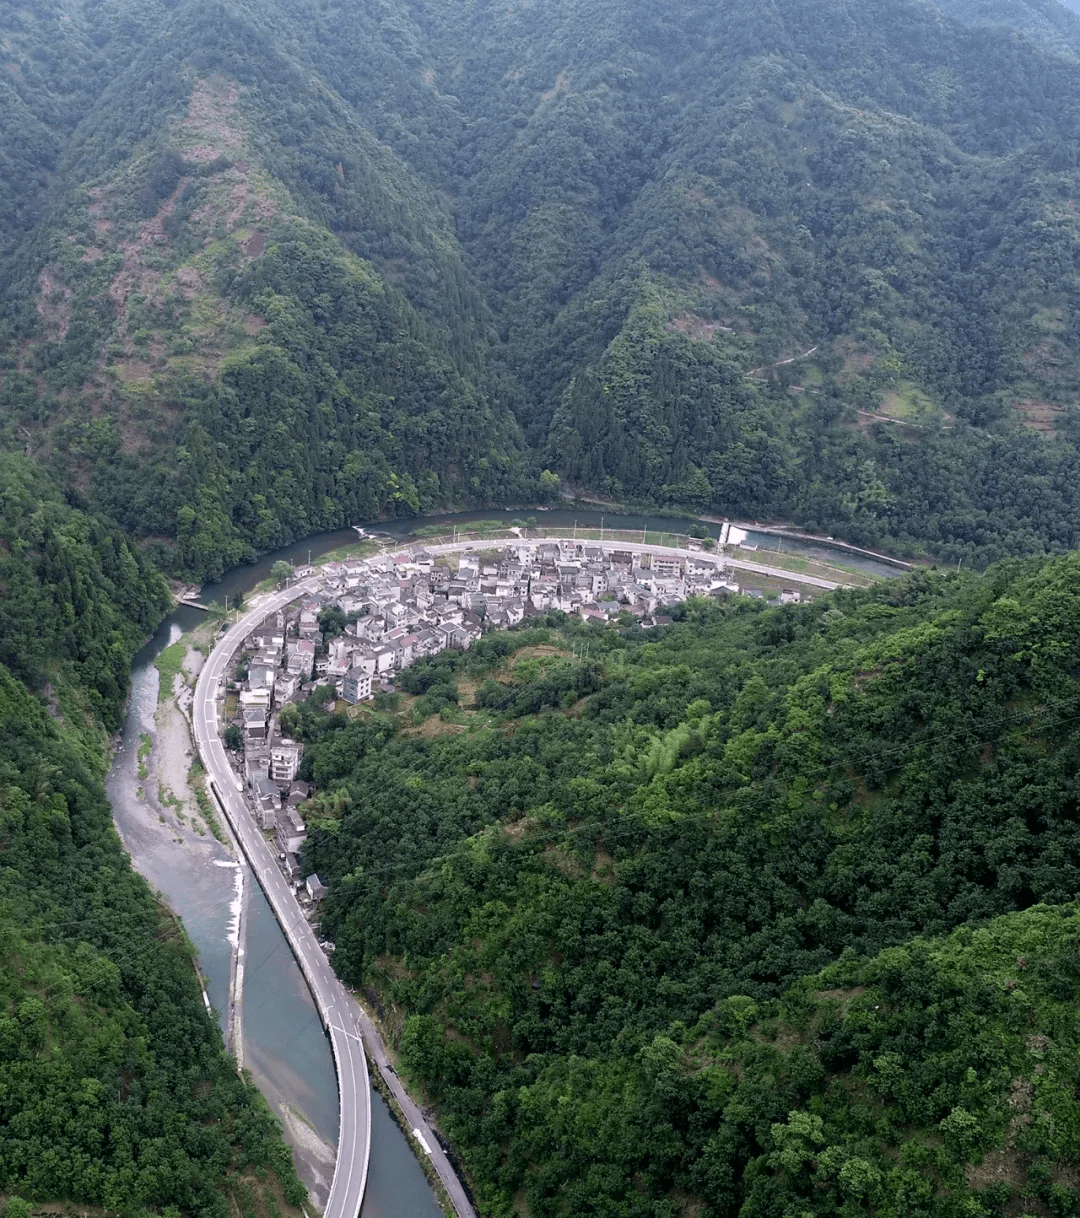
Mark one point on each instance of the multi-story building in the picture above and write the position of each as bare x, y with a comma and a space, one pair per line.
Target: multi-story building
356, 685
284, 760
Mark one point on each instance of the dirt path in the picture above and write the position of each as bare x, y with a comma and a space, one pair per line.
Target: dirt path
885, 418
780, 363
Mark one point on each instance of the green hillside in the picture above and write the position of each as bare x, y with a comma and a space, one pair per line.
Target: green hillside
243, 319
268, 271
595, 900
767, 913
667, 210
115, 1089
1050, 22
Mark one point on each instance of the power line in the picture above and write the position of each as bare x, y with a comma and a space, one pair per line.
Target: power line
610, 830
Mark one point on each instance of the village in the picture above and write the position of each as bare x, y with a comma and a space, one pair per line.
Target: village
400, 608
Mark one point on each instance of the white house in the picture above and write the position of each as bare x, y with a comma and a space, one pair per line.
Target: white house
284, 760
356, 685
291, 830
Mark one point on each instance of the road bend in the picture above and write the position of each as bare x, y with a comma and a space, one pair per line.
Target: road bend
341, 1015
335, 1005
637, 547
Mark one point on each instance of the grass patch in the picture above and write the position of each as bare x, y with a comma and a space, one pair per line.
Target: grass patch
361, 549
168, 798
477, 528
145, 745
206, 805
170, 665
907, 402
803, 566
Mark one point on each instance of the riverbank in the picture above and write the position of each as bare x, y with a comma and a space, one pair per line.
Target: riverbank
174, 833
337, 1009
415, 1119
283, 1044
398, 1117
778, 528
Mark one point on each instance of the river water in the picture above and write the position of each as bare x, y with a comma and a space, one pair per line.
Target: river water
284, 1044
285, 1047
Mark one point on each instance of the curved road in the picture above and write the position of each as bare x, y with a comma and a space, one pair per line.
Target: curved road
336, 1006
414, 1115
634, 547
341, 1014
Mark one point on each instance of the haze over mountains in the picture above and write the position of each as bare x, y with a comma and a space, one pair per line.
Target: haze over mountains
1049, 22
269, 270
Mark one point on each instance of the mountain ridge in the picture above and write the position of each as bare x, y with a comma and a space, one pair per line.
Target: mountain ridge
602, 239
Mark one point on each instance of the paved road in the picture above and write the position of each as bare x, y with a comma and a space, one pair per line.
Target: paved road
336, 1006
340, 1013
637, 547
414, 1115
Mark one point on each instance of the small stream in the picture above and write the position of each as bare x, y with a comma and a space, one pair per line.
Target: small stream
284, 1044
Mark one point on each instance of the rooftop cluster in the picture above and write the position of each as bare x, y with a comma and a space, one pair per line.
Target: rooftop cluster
370, 618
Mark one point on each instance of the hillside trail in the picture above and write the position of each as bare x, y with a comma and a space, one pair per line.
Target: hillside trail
780, 363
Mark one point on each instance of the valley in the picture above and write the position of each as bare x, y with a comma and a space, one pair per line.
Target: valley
660, 428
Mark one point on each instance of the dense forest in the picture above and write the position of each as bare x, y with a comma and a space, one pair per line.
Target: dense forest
768, 913
115, 1089
268, 271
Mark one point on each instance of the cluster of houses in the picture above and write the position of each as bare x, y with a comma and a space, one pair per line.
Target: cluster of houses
400, 608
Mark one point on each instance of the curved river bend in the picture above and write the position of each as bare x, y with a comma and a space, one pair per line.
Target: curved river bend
283, 1041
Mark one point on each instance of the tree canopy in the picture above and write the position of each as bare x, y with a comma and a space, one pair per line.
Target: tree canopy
277, 272
115, 1090
763, 910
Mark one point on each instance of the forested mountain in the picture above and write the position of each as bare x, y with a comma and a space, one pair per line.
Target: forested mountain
771, 913
1050, 22
193, 337
269, 269
115, 1089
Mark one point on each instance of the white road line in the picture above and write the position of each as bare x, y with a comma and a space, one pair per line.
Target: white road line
349, 1181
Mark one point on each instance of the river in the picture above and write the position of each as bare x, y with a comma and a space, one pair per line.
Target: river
284, 1044
283, 1041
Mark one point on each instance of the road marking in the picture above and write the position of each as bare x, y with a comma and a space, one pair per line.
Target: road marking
350, 1035
354, 1100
